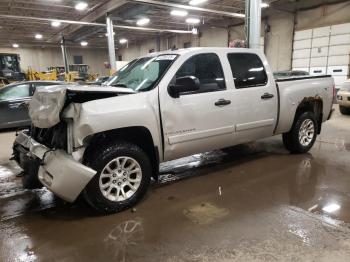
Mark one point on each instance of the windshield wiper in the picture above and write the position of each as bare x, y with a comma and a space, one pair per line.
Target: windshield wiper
119, 85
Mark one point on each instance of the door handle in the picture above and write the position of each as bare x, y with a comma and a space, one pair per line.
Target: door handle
222, 102
267, 96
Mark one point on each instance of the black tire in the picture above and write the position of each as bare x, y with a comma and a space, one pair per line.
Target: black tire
291, 139
31, 182
99, 159
344, 110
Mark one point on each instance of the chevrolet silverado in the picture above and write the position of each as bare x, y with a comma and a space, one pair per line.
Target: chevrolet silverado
106, 143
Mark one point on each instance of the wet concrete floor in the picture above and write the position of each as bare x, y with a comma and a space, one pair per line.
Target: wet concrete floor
253, 202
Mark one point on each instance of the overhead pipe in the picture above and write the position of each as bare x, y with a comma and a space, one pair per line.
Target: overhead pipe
96, 24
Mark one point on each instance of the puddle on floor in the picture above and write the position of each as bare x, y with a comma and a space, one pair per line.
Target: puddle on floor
205, 213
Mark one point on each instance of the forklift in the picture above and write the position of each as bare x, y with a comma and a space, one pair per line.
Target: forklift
10, 68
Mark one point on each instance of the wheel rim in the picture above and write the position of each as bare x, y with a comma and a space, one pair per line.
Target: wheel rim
120, 179
306, 132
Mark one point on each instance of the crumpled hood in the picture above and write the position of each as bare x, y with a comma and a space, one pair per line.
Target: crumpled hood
47, 102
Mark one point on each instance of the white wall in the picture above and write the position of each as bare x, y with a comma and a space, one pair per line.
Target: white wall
42, 58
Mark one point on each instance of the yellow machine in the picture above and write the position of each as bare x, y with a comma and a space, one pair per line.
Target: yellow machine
77, 72
50, 75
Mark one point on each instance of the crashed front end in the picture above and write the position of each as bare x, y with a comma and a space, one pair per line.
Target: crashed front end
46, 152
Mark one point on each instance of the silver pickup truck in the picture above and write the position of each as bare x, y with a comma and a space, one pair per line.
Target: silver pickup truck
106, 143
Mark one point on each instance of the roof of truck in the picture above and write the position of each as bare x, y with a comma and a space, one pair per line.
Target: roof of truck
196, 49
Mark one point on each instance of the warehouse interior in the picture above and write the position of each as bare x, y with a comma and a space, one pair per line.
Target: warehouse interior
254, 201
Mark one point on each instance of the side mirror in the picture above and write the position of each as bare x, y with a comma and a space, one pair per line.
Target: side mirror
182, 85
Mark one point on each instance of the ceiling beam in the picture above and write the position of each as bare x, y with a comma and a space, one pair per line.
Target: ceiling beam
100, 11
82, 23
188, 7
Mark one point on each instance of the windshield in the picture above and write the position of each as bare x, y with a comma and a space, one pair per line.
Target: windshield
142, 74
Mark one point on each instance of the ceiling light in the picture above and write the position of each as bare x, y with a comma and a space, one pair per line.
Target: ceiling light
179, 13
331, 208
55, 23
192, 21
83, 43
15, 45
142, 21
197, 2
81, 6
264, 5
107, 34
123, 41
38, 36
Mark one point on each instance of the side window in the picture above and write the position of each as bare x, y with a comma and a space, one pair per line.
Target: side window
247, 70
207, 68
13, 92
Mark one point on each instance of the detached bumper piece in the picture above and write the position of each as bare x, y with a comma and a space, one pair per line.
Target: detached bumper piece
58, 171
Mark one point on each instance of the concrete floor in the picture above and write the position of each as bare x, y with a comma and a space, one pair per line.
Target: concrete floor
254, 202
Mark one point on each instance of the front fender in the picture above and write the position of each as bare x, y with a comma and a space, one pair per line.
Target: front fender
141, 109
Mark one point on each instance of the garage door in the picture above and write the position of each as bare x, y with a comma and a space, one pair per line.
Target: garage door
323, 50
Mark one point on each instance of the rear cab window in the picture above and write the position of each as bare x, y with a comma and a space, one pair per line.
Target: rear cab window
247, 69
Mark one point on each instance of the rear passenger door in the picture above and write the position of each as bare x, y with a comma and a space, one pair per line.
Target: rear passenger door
255, 98
201, 120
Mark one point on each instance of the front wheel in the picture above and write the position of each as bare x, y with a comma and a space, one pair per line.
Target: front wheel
303, 134
122, 179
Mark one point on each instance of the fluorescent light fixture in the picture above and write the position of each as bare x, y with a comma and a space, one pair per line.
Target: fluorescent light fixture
55, 23
181, 13
83, 43
264, 5
192, 21
123, 41
81, 6
197, 2
38, 36
142, 21
107, 34
331, 208
15, 45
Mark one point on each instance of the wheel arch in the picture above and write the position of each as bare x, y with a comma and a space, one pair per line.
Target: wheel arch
138, 135
314, 105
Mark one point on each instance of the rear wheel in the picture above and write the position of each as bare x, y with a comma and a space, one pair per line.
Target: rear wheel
122, 179
344, 110
303, 134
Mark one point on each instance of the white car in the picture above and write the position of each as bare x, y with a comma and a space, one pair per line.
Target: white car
106, 143
343, 98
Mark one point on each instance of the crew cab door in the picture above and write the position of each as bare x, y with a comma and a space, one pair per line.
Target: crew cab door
200, 120
255, 97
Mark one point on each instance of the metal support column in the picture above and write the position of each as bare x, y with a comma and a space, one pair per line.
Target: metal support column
64, 54
111, 47
253, 23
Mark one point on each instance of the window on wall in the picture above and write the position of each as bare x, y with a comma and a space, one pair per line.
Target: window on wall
247, 70
207, 68
78, 59
187, 45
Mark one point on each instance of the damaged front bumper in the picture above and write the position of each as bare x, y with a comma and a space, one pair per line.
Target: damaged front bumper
58, 171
